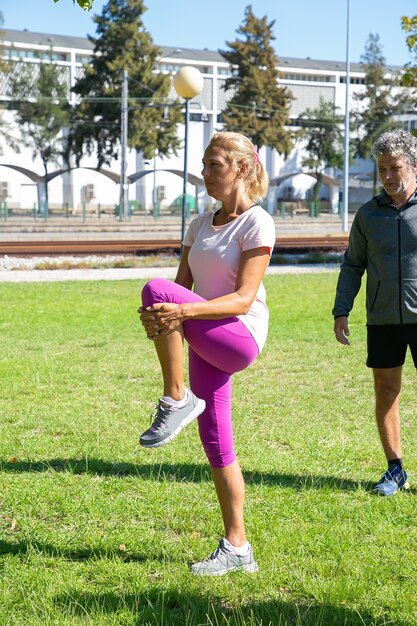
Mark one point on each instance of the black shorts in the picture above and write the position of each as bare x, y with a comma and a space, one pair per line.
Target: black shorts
387, 345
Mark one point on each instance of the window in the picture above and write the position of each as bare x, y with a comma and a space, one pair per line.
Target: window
353, 80
83, 58
169, 67
226, 71
25, 53
322, 78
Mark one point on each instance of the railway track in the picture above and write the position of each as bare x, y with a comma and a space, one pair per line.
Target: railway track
294, 245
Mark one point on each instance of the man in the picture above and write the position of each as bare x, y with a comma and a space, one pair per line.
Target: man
383, 241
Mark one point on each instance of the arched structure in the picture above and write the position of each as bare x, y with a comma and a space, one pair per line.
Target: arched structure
332, 183
114, 176
326, 179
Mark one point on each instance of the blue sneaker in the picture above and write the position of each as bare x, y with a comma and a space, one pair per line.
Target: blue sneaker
395, 478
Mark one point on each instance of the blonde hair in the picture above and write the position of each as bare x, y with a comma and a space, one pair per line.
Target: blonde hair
239, 149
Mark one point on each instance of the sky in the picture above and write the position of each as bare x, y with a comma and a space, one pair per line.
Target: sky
303, 28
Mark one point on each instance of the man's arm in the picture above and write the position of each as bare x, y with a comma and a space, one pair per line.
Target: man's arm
349, 281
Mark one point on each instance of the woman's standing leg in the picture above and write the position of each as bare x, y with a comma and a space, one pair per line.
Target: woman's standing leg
216, 433
230, 489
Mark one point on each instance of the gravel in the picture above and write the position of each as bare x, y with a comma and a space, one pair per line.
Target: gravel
30, 263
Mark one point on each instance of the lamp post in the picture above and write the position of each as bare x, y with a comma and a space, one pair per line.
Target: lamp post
188, 83
124, 194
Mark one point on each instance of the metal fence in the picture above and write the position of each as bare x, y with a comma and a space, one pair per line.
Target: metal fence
114, 213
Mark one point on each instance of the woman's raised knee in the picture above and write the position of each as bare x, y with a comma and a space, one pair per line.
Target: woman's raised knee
153, 291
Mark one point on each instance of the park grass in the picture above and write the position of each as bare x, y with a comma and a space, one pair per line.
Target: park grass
96, 531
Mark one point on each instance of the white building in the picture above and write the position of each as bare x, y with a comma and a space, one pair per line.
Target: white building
309, 80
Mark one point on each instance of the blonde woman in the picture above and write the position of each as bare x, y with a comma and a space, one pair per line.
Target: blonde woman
217, 303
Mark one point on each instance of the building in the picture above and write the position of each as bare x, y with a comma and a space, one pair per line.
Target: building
309, 80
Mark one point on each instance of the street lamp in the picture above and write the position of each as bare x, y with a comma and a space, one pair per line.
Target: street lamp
188, 83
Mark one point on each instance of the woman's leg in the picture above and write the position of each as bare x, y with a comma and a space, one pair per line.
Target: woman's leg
225, 343
170, 355
230, 489
169, 349
218, 348
178, 407
216, 433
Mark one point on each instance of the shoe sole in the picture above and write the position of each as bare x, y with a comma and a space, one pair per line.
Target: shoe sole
251, 568
198, 409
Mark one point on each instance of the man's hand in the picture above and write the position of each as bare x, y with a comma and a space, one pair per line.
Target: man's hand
341, 330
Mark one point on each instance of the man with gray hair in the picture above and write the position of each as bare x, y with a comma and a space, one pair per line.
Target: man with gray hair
383, 242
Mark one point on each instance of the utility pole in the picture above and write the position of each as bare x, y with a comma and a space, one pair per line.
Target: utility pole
124, 195
184, 180
345, 225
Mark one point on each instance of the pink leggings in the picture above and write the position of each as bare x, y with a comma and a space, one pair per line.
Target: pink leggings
217, 349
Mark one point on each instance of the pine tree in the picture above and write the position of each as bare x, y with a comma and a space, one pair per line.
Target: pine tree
259, 107
376, 104
42, 110
322, 130
123, 43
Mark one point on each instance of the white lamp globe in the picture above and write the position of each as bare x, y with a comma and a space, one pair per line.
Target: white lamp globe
188, 82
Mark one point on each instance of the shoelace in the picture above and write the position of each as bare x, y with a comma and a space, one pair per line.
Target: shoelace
160, 414
218, 552
213, 556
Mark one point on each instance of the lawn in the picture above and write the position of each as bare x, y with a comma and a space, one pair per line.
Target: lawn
96, 531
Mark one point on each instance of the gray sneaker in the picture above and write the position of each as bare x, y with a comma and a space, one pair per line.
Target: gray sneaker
223, 560
169, 421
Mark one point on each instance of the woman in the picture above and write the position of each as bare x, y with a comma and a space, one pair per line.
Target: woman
224, 321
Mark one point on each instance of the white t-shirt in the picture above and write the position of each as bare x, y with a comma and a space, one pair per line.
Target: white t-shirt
215, 256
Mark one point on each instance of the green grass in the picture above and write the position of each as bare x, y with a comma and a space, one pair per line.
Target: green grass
96, 531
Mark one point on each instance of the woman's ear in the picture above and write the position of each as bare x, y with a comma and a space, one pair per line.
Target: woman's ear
242, 169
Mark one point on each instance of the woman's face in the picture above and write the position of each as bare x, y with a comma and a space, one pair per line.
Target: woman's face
220, 177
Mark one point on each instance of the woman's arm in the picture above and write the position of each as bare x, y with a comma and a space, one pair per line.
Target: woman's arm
184, 276
252, 267
165, 317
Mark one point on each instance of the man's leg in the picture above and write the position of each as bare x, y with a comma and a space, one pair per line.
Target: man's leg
387, 409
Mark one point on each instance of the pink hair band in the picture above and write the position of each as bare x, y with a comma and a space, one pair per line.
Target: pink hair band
256, 153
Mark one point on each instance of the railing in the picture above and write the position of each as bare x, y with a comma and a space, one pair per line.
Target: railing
113, 212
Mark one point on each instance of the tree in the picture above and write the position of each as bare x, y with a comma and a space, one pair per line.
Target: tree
409, 26
322, 130
377, 104
122, 43
42, 110
259, 107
